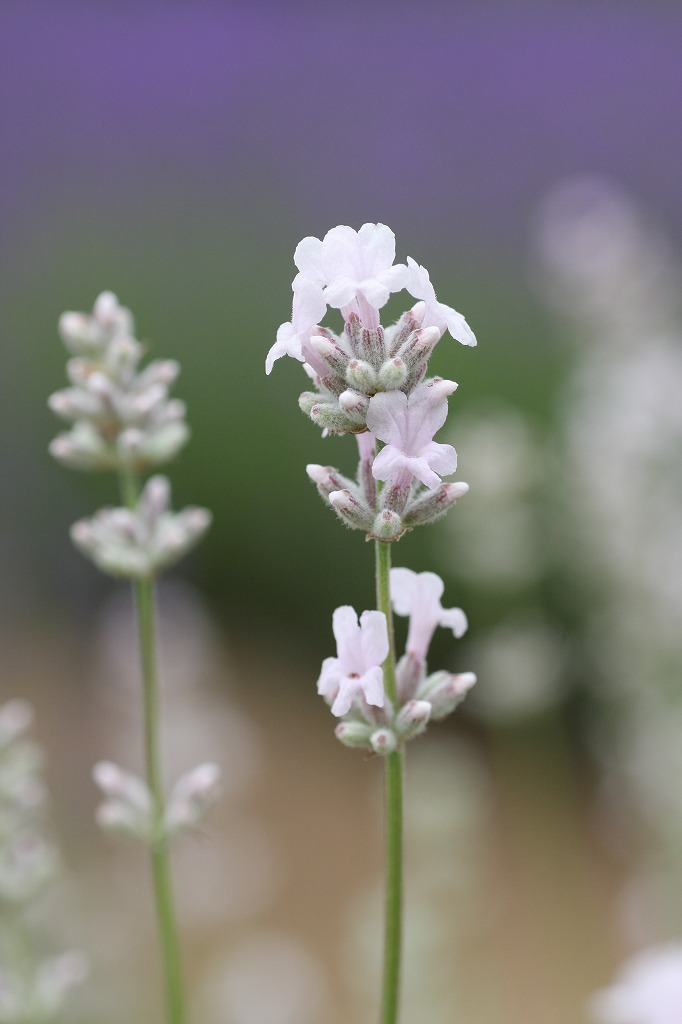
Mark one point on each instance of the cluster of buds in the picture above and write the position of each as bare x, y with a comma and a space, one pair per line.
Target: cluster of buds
27, 860
352, 683
128, 807
123, 420
138, 542
371, 381
32, 988
122, 416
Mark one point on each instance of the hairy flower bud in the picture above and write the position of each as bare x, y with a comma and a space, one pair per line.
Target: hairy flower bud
387, 526
354, 734
361, 376
191, 798
393, 374
445, 691
413, 718
351, 510
427, 508
383, 741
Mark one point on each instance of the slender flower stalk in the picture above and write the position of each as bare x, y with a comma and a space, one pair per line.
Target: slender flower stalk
393, 797
163, 893
124, 421
371, 382
145, 604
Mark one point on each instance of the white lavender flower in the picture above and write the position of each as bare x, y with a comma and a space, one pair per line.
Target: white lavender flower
138, 542
122, 416
31, 988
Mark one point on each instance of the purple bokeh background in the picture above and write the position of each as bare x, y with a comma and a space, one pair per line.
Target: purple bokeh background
451, 119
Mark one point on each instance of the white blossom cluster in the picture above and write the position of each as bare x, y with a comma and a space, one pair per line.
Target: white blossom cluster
138, 543
32, 988
121, 415
353, 683
371, 381
123, 420
128, 807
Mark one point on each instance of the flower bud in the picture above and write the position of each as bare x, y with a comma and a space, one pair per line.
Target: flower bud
434, 504
127, 808
445, 691
409, 675
335, 420
372, 347
354, 403
387, 526
396, 336
354, 512
354, 734
191, 798
330, 352
413, 718
361, 376
83, 448
392, 374
327, 479
383, 741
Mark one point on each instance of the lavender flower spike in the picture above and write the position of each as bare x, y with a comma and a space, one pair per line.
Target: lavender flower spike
407, 425
361, 649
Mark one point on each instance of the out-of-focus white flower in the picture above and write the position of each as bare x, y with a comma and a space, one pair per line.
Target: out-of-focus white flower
361, 649
418, 595
647, 990
407, 425
435, 313
191, 798
128, 804
85, 333
137, 543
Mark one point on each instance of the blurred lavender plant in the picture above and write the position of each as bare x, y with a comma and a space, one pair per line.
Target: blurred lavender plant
124, 421
33, 986
613, 277
371, 382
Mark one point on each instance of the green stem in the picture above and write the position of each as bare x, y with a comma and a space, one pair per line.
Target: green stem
161, 876
394, 812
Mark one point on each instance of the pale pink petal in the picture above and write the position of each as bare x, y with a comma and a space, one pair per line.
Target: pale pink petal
404, 590
454, 619
346, 633
375, 291
419, 468
288, 344
349, 687
372, 685
442, 458
374, 638
309, 259
340, 292
330, 676
388, 462
378, 242
386, 416
309, 305
457, 326
427, 412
